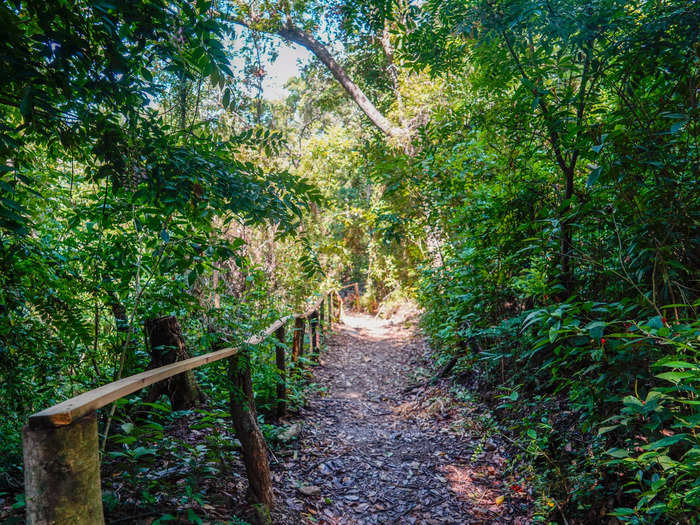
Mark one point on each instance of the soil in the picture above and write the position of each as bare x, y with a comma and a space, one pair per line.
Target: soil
370, 452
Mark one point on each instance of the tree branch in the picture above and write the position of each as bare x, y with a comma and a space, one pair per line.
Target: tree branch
294, 34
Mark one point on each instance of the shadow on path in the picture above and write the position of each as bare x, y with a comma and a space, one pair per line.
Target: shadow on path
371, 453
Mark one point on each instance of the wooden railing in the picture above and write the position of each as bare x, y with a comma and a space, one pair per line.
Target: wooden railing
356, 296
61, 454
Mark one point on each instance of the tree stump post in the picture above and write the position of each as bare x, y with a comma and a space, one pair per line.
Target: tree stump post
253, 446
313, 334
357, 297
62, 474
298, 339
282, 371
167, 345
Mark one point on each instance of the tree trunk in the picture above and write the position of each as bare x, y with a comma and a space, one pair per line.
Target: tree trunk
121, 322
294, 34
282, 371
62, 474
307, 40
565, 237
167, 345
298, 339
254, 448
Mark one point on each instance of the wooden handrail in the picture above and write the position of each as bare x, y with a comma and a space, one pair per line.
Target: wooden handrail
311, 310
61, 456
72, 409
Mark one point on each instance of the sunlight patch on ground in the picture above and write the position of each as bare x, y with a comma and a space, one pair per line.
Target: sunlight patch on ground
461, 482
367, 327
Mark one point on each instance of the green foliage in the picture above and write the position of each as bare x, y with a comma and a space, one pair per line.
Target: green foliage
560, 177
542, 208
121, 201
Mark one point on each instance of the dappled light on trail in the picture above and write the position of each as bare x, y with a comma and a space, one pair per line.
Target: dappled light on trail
370, 453
366, 326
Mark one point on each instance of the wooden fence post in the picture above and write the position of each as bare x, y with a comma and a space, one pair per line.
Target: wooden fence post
321, 324
313, 334
62, 474
298, 339
339, 315
330, 310
357, 297
253, 446
282, 370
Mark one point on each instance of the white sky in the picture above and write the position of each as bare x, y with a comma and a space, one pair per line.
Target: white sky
281, 70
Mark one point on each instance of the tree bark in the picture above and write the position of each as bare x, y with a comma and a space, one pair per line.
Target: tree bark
121, 322
308, 41
167, 345
62, 474
254, 448
565, 236
294, 34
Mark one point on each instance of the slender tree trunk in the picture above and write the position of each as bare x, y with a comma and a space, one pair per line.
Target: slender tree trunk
280, 352
167, 345
566, 237
121, 322
215, 285
294, 34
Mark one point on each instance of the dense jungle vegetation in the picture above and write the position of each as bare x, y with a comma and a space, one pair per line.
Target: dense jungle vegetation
524, 170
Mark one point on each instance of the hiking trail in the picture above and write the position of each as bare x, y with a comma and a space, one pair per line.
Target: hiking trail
369, 452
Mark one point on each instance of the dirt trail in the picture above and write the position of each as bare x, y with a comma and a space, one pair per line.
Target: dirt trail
380, 455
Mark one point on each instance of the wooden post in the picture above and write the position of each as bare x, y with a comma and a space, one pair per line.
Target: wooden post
357, 297
313, 334
330, 310
339, 315
62, 474
321, 324
253, 446
282, 371
298, 339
